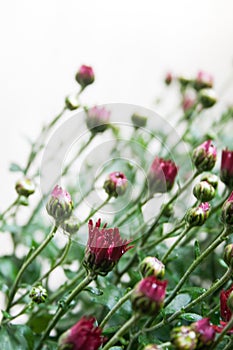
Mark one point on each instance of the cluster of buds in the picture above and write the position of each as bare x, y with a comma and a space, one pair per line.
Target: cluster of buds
197, 216
204, 156
227, 211
148, 296
139, 121
25, 187
59, 205
226, 309
38, 294
226, 172
85, 76
83, 335
104, 248
198, 335
116, 184
204, 191
97, 119
151, 266
161, 176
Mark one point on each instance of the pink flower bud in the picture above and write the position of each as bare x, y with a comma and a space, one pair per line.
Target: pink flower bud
188, 102
168, 78
197, 216
162, 175
59, 205
203, 80
116, 184
83, 335
148, 296
97, 119
104, 248
204, 331
226, 172
204, 156
85, 76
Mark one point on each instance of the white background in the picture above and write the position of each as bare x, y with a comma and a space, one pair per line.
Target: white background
130, 44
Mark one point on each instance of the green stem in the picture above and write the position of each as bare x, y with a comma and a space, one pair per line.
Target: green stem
120, 302
229, 345
9, 208
95, 211
17, 315
223, 333
26, 264
62, 309
59, 261
173, 246
196, 262
121, 331
210, 291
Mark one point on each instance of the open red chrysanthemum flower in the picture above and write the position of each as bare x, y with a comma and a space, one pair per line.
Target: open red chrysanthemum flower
105, 247
83, 335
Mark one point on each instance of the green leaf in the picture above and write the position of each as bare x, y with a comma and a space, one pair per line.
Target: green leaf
194, 292
15, 168
18, 337
191, 317
178, 303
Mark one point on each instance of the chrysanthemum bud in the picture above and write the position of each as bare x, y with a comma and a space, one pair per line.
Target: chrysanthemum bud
151, 266
138, 120
104, 248
211, 179
197, 216
184, 81
226, 172
227, 211
184, 338
85, 76
148, 296
71, 225
203, 80
161, 176
188, 102
204, 156
230, 301
72, 103
116, 184
25, 187
228, 255
38, 294
207, 98
203, 191
59, 205
204, 331
168, 78
97, 119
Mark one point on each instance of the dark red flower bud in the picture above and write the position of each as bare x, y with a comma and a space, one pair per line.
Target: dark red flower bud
85, 76
204, 156
161, 176
148, 296
226, 172
82, 336
104, 248
226, 313
168, 78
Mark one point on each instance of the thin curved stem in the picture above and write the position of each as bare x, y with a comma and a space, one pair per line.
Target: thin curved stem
27, 263
120, 302
173, 246
93, 212
121, 331
62, 309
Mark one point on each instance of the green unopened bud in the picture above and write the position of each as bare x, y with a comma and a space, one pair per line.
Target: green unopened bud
228, 255
72, 103
204, 156
59, 205
184, 338
207, 97
211, 179
116, 184
227, 211
151, 347
25, 187
230, 301
71, 225
151, 266
38, 294
197, 216
185, 80
203, 191
138, 120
